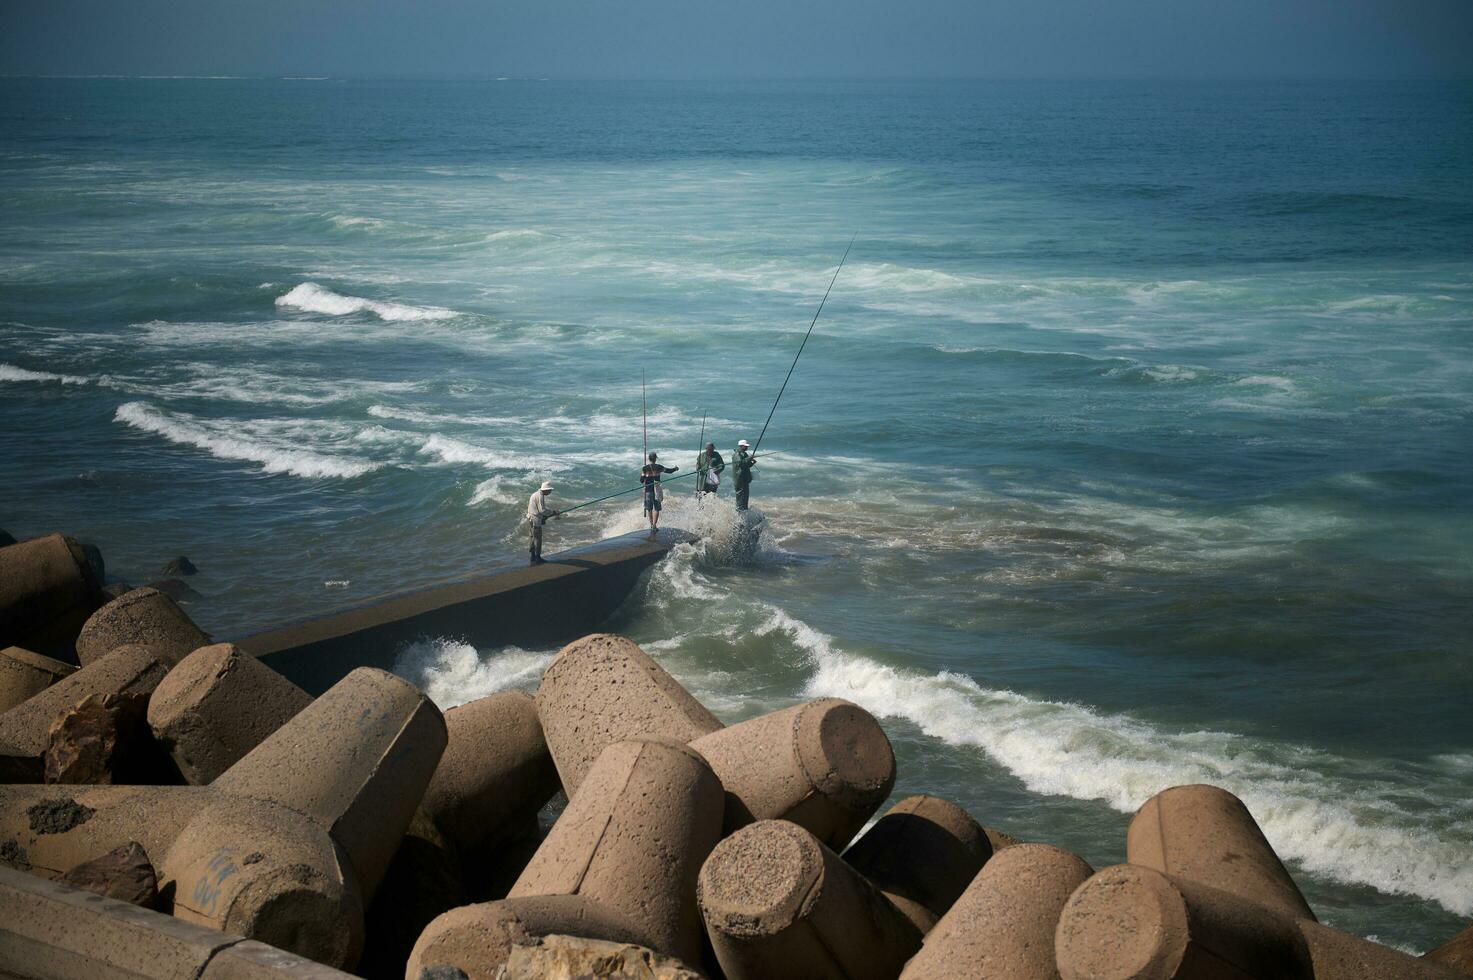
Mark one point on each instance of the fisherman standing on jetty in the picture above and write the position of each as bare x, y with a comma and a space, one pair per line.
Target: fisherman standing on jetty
538, 514
654, 494
743, 460
709, 465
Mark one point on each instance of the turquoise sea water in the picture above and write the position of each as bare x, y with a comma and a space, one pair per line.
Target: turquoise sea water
1132, 448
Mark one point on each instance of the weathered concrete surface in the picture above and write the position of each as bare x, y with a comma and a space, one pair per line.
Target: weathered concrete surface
575, 958
143, 617
1134, 922
47, 591
217, 705
478, 939
536, 605
356, 761
24, 674
923, 853
51, 930
777, 902
604, 689
633, 839
1002, 927
284, 847
496, 773
1207, 834
1456, 953
25, 730
825, 765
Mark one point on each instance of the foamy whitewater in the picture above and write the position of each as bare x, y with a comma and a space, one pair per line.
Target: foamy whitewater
1112, 463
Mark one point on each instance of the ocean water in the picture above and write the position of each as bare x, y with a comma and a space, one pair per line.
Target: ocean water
1132, 448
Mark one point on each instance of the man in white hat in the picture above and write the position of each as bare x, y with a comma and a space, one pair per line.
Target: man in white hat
538, 514
742, 461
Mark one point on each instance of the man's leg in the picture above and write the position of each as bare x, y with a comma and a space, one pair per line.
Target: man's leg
536, 542
742, 498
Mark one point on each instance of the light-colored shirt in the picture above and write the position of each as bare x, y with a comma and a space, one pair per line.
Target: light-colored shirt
537, 507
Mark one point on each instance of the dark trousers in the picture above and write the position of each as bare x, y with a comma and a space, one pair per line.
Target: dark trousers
741, 496
534, 539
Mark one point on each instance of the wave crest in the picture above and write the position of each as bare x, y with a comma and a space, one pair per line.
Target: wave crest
309, 297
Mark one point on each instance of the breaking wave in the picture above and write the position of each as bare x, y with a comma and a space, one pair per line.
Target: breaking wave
227, 440
452, 672
1348, 830
312, 298
9, 372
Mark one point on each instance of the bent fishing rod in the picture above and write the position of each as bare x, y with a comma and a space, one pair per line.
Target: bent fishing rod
816, 314
620, 493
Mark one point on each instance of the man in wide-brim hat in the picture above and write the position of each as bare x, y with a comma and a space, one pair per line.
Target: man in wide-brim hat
538, 514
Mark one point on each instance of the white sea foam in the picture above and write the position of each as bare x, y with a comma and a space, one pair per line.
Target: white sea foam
1343, 829
492, 491
226, 440
9, 372
450, 450
452, 672
312, 298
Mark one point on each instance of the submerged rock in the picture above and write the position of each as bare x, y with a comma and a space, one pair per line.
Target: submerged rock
176, 589
180, 566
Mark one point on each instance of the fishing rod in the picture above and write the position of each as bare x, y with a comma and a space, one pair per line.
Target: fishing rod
802, 345
620, 493
644, 407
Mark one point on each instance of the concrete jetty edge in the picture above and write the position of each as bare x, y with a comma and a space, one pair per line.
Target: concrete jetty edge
530, 605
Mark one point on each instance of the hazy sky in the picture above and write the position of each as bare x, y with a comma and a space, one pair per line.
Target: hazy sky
739, 38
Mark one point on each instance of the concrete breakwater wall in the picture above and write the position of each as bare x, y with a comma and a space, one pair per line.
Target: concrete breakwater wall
178, 808
537, 605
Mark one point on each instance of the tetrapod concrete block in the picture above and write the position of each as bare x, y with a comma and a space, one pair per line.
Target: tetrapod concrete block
48, 929
284, 847
576, 958
1456, 953
922, 854
476, 940
25, 730
825, 765
1002, 927
1134, 923
495, 775
356, 760
47, 591
145, 617
24, 674
778, 903
634, 839
215, 706
1207, 834
603, 689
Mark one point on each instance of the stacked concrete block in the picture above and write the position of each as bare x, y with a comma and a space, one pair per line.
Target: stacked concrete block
778, 903
603, 689
217, 705
25, 730
825, 765
47, 590
1456, 953
24, 674
630, 844
284, 847
923, 853
476, 940
1002, 927
1134, 923
49, 929
495, 775
143, 617
1206, 834
571, 957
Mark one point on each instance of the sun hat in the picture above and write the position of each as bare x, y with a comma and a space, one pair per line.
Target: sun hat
545, 486
742, 444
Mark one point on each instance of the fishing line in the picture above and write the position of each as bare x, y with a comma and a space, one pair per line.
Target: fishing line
802, 345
